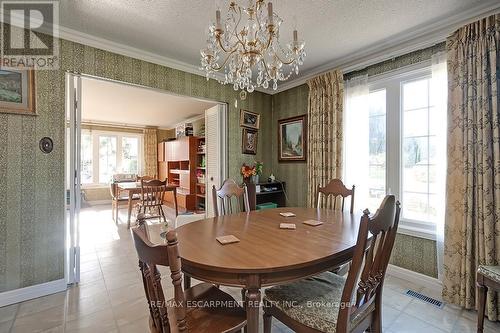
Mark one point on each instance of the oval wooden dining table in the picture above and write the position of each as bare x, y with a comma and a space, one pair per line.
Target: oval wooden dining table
265, 254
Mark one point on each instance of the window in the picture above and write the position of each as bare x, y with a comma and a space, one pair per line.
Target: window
418, 152
104, 154
400, 125
376, 148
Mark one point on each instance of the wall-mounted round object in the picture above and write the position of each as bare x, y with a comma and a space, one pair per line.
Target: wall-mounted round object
46, 145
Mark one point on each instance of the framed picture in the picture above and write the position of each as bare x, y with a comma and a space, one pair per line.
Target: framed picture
249, 119
249, 141
17, 91
292, 139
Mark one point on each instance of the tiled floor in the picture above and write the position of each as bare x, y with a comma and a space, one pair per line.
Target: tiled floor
110, 297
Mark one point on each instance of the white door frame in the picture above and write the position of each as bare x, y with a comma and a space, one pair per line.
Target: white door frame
73, 183
74, 117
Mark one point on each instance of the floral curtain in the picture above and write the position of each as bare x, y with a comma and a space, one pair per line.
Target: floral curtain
472, 229
150, 152
324, 132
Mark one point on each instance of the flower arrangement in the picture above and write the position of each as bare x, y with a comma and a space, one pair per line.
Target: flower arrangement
248, 171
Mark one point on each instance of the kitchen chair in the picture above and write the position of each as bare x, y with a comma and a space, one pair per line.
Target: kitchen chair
152, 193
336, 188
332, 303
226, 193
209, 310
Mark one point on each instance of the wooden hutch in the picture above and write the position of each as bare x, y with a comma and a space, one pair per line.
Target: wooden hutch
179, 161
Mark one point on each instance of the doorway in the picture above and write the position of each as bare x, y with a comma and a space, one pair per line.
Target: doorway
108, 124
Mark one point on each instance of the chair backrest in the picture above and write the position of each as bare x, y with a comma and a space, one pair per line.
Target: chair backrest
141, 178
113, 190
336, 188
152, 192
150, 256
226, 193
373, 254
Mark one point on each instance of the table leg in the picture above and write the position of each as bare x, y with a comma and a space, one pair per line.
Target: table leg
253, 299
129, 209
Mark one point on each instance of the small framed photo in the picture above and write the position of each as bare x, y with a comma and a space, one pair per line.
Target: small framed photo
292, 139
17, 91
249, 119
249, 141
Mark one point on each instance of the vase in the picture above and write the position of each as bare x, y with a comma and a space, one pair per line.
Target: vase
255, 179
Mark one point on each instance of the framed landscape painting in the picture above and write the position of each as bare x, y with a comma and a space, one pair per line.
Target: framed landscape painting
292, 139
17, 91
249, 119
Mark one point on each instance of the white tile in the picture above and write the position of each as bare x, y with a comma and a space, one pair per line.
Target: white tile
41, 304
389, 315
395, 299
102, 322
400, 285
432, 315
409, 324
7, 313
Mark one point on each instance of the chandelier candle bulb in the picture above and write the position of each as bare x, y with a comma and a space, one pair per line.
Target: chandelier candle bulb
217, 19
270, 12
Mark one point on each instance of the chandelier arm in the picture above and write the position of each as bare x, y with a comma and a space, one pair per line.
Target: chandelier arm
231, 50
285, 62
225, 62
236, 30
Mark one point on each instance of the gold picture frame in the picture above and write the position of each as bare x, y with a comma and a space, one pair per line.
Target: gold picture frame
17, 91
249, 119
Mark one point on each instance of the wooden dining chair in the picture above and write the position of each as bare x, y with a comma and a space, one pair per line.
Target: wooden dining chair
228, 191
118, 199
336, 188
152, 194
332, 303
202, 308
488, 278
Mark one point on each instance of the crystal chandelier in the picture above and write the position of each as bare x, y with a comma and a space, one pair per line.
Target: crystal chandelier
247, 43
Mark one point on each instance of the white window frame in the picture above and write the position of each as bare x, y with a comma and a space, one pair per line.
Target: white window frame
95, 134
392, 82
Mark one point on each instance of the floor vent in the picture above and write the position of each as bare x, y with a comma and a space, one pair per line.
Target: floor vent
424, 298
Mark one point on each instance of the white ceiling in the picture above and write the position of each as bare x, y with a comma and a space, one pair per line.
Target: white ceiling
115, 103
333, 30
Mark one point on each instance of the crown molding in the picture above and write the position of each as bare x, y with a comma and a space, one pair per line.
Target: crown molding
129, 51
405, 42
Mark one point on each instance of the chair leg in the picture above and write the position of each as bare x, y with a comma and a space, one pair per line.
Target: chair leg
481, 291
116, 213
376, 325
160, 208
244, 297
187, 282
268, 320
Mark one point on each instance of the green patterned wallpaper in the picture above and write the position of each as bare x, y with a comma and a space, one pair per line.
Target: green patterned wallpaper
286, 104
32, 183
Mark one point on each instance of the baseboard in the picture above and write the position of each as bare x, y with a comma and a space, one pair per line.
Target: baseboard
27, 293
414, 277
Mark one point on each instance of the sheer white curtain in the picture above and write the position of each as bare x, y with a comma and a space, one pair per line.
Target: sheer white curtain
356, 138
439, 98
